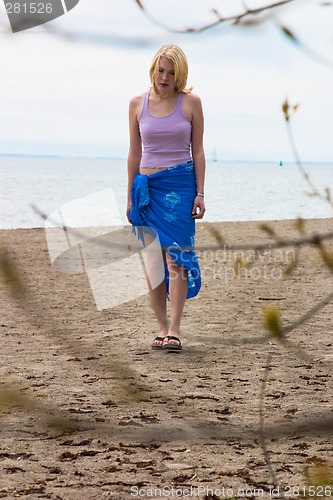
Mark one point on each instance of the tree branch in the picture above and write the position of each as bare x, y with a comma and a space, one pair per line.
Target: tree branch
245, 18
262, 437
236, 19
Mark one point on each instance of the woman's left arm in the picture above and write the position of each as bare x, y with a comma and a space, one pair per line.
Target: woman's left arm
198, 155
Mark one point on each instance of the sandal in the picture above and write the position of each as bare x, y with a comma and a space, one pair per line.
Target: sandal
157, 347
172, 347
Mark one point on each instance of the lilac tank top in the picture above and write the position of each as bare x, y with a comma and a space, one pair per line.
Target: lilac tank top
166, 139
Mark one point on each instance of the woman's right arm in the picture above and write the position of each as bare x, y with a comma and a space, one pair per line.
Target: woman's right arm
135, 148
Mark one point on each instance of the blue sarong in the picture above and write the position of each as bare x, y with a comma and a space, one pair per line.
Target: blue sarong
163, 201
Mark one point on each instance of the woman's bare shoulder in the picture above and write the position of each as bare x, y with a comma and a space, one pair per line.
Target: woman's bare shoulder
192, 103
192, 106
137, 99
135, 105
192, 98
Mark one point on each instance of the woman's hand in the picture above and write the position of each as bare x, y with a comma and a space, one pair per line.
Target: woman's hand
199, 209
128, 209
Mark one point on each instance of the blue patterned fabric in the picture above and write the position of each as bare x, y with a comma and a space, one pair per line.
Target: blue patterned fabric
163, 202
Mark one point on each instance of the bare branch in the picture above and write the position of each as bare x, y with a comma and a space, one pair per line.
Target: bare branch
319, 58
326, 196
246, 18
262, 437
236, 19
313, 239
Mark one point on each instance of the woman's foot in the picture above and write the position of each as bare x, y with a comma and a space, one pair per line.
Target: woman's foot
157, 343
172, 343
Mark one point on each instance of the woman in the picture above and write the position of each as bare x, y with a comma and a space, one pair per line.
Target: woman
166, 183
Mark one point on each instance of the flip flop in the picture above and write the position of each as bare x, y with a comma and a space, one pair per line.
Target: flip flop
172, 347
157, 347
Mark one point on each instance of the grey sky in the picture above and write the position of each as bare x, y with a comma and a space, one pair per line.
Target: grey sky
69, 94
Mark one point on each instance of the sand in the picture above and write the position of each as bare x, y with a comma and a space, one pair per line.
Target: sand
88, 411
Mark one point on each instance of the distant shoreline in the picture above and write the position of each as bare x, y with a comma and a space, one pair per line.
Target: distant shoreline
123, 158
199, 225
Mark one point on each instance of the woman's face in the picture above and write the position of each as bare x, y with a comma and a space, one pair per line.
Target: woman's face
165, 76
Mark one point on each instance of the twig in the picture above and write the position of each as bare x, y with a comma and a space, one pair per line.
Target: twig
242, 19
315, 190
307, 240
306, 49
262, 437
236, 18
309, 314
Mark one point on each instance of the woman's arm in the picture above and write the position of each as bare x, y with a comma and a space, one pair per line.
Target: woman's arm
135, 148
198, 156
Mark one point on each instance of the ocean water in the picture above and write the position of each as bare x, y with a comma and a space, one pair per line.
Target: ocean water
93, 191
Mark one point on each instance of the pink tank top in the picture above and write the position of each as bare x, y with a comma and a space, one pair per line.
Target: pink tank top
166, 139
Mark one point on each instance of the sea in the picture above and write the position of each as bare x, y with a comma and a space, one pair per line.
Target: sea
92, 191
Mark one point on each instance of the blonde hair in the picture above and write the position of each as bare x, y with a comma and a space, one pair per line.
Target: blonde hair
180, 66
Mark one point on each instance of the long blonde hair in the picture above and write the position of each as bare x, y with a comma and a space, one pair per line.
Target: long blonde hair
180, 66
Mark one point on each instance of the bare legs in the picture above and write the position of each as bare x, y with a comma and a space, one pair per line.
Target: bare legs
177, 292
158, 301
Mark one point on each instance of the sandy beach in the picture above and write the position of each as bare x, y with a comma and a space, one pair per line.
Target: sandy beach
88, 411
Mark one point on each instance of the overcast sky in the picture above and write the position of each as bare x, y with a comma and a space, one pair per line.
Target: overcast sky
69, 95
